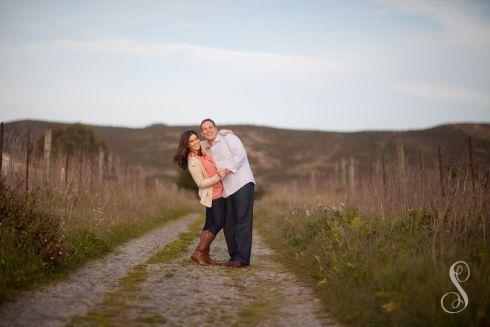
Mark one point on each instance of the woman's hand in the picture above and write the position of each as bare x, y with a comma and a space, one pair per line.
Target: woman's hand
223, 172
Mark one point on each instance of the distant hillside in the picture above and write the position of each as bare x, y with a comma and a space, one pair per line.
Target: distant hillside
282, 154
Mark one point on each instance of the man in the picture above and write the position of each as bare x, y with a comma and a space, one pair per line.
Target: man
231, 160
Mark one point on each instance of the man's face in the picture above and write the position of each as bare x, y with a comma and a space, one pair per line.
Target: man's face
209, 131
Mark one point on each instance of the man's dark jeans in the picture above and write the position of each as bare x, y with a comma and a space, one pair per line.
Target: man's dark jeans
238, 223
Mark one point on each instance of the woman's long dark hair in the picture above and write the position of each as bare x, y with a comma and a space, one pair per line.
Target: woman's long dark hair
183, 151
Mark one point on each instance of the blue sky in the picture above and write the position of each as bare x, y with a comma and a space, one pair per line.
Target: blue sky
328, 65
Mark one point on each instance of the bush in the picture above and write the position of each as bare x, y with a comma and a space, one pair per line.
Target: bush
32, 241
34, 248
377, 272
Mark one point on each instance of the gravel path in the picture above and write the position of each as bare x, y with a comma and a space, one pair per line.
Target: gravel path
54, 305
264, 294
127, 290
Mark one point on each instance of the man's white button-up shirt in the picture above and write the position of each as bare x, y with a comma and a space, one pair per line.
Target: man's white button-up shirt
228, 152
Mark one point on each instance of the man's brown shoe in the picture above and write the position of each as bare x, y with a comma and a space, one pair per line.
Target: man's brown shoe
235, 264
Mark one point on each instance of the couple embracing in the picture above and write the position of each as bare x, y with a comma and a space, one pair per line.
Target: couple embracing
220, 168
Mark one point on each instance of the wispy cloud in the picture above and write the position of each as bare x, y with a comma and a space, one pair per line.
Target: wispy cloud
126, 46
442, 92
457, 17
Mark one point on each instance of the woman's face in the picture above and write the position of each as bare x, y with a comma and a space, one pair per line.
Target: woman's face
194, 143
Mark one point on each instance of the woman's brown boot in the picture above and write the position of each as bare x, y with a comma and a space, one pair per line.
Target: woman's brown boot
197, 255
201, 253
211, 238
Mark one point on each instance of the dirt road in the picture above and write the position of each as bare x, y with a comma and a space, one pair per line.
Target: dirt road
152, 281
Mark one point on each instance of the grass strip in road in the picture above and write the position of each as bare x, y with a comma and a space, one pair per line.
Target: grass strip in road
116, 302
85, 245
266, 300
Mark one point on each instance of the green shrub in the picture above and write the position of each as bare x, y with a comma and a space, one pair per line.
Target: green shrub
371, 271
34, 248
83, 245
32, 241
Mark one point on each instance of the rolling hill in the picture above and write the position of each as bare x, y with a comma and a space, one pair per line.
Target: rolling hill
278, 155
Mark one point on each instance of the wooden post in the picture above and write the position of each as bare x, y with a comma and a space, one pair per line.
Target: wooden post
80, 162
101, 164
337, 173
351, 175
28, 158
384, 173
401, 161
66, 167
117, 168
420, 166
137, 169
109, 166
370, 173
313, 182
343, 166
471, 163
48, 136
93, 170
441, 174
1, 148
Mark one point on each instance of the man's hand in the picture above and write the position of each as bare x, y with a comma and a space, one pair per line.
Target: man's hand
223, 172
225, 132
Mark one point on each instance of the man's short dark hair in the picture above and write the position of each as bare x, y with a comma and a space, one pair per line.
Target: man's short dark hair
208, 119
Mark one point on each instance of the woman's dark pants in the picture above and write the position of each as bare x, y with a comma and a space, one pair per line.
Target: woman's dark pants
215, 216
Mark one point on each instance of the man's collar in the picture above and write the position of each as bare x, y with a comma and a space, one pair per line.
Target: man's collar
217, 138
206, 145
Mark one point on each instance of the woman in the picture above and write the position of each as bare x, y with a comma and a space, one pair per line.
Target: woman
190, 155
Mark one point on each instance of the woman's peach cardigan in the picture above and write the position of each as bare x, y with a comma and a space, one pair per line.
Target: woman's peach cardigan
203, 181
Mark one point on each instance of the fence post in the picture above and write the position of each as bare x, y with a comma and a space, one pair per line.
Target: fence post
313, 182
343, 164
80, 162
48, 137
337, 173
101, 164
351, 174
401, 161
117, 168
137, 178
441, 174
370, 163
420, 166
28, 158
1, 149
109, 166
471, 163
66, 166
93, 170
384, 173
